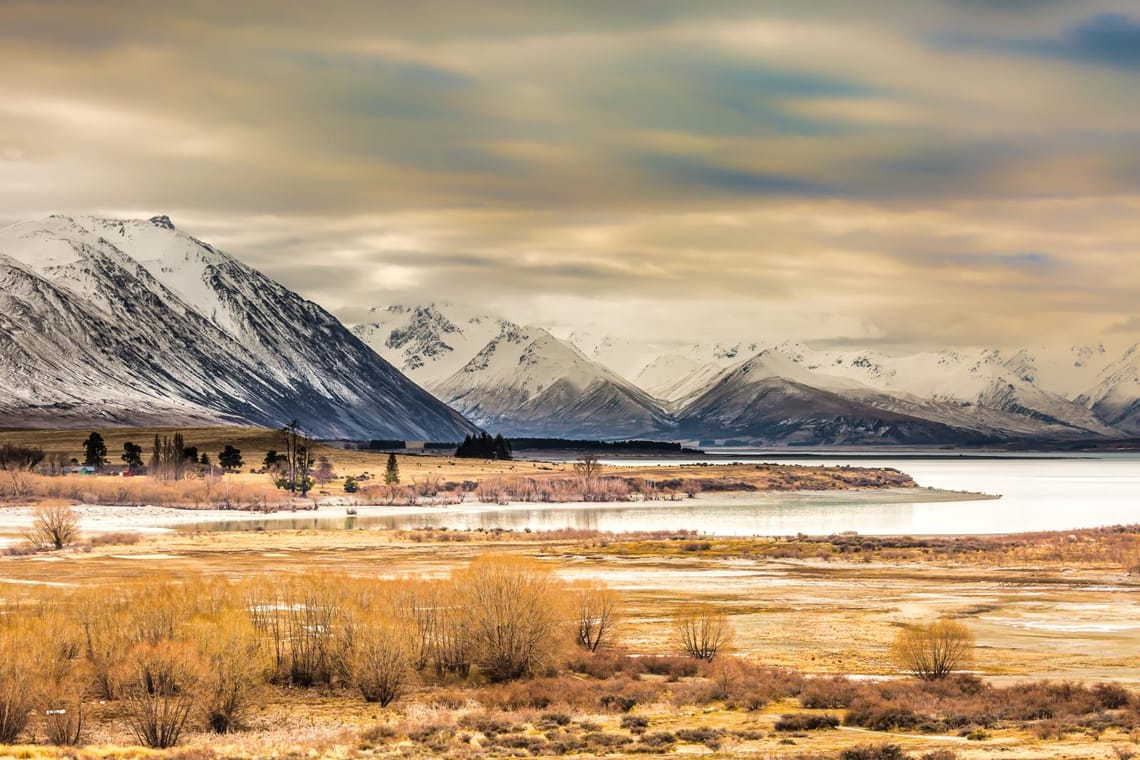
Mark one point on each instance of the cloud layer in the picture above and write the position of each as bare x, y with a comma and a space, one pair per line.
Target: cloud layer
929, 174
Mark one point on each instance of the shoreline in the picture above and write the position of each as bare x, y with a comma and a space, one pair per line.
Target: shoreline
147, 520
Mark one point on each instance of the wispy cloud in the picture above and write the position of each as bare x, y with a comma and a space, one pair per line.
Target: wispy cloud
956, 172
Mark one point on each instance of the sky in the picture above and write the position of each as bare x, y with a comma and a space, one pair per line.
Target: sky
915, 174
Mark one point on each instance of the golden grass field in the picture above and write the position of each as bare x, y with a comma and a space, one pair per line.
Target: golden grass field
1060, 607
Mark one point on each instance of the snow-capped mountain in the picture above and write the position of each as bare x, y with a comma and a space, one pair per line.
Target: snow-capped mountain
133, 322
769, 398
673, 376
428, 343
787, 395
991, 394
1116, 396
526, 382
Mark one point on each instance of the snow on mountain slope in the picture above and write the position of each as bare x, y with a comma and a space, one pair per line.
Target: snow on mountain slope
794, 392
134, 322
1116, 396
673, 376
428, 343
625, 357
526, 382
767, 399
985, 379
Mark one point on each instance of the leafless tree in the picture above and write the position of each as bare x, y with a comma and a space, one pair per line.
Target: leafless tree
702, 631
588, 467
510, 612
54, 526
382, 664
162, 686
935, 650
595, 615
168, 458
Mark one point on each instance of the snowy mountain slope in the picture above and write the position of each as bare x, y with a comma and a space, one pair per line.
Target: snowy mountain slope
133, 322
428, 343
986, 380
527, 382
765, 400
673, 376
783, 395
1116, 396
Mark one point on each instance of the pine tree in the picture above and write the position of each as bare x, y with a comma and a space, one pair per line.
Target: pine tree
132, 457
230, 458
392, 471
95, 451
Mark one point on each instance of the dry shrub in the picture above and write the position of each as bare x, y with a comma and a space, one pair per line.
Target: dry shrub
452, 644
235, 667
382, 662
298, 621
117, 538
673, 667
64, 712
878, 715
701, 631
161, 687
934, 651
20, 673
607, 663
832, 693
54, 527
806, 722
511, 613
873, 752
596, 612
418, 604
224, 492
964, 701
105, 643
622, 694
540, 694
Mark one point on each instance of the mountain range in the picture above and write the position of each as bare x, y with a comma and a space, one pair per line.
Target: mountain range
525, 381
132, 322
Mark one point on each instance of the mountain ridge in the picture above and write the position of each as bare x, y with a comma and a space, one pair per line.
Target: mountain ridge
133, 321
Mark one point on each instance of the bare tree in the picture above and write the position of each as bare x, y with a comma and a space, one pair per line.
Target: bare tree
54, 526
935, 650
162, 686
588, 467
595, 615
702, 631
510, 611
56, 463
382, 664
298, 459
168, 458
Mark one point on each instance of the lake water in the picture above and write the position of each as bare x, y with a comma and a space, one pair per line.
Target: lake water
1037, 493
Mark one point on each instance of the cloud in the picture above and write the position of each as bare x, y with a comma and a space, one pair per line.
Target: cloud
711, 178
1129, 326
1110, 39
938, 173
1107, 39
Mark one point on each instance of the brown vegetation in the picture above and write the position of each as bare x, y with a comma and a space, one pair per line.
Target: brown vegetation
935, 650
54, 527
702, 631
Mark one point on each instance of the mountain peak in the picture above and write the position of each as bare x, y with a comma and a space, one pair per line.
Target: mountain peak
135, 323
162, 220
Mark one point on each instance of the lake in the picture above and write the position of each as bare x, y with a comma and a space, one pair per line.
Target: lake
1038, 493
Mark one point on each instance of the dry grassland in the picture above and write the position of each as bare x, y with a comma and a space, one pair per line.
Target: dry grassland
803, 610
